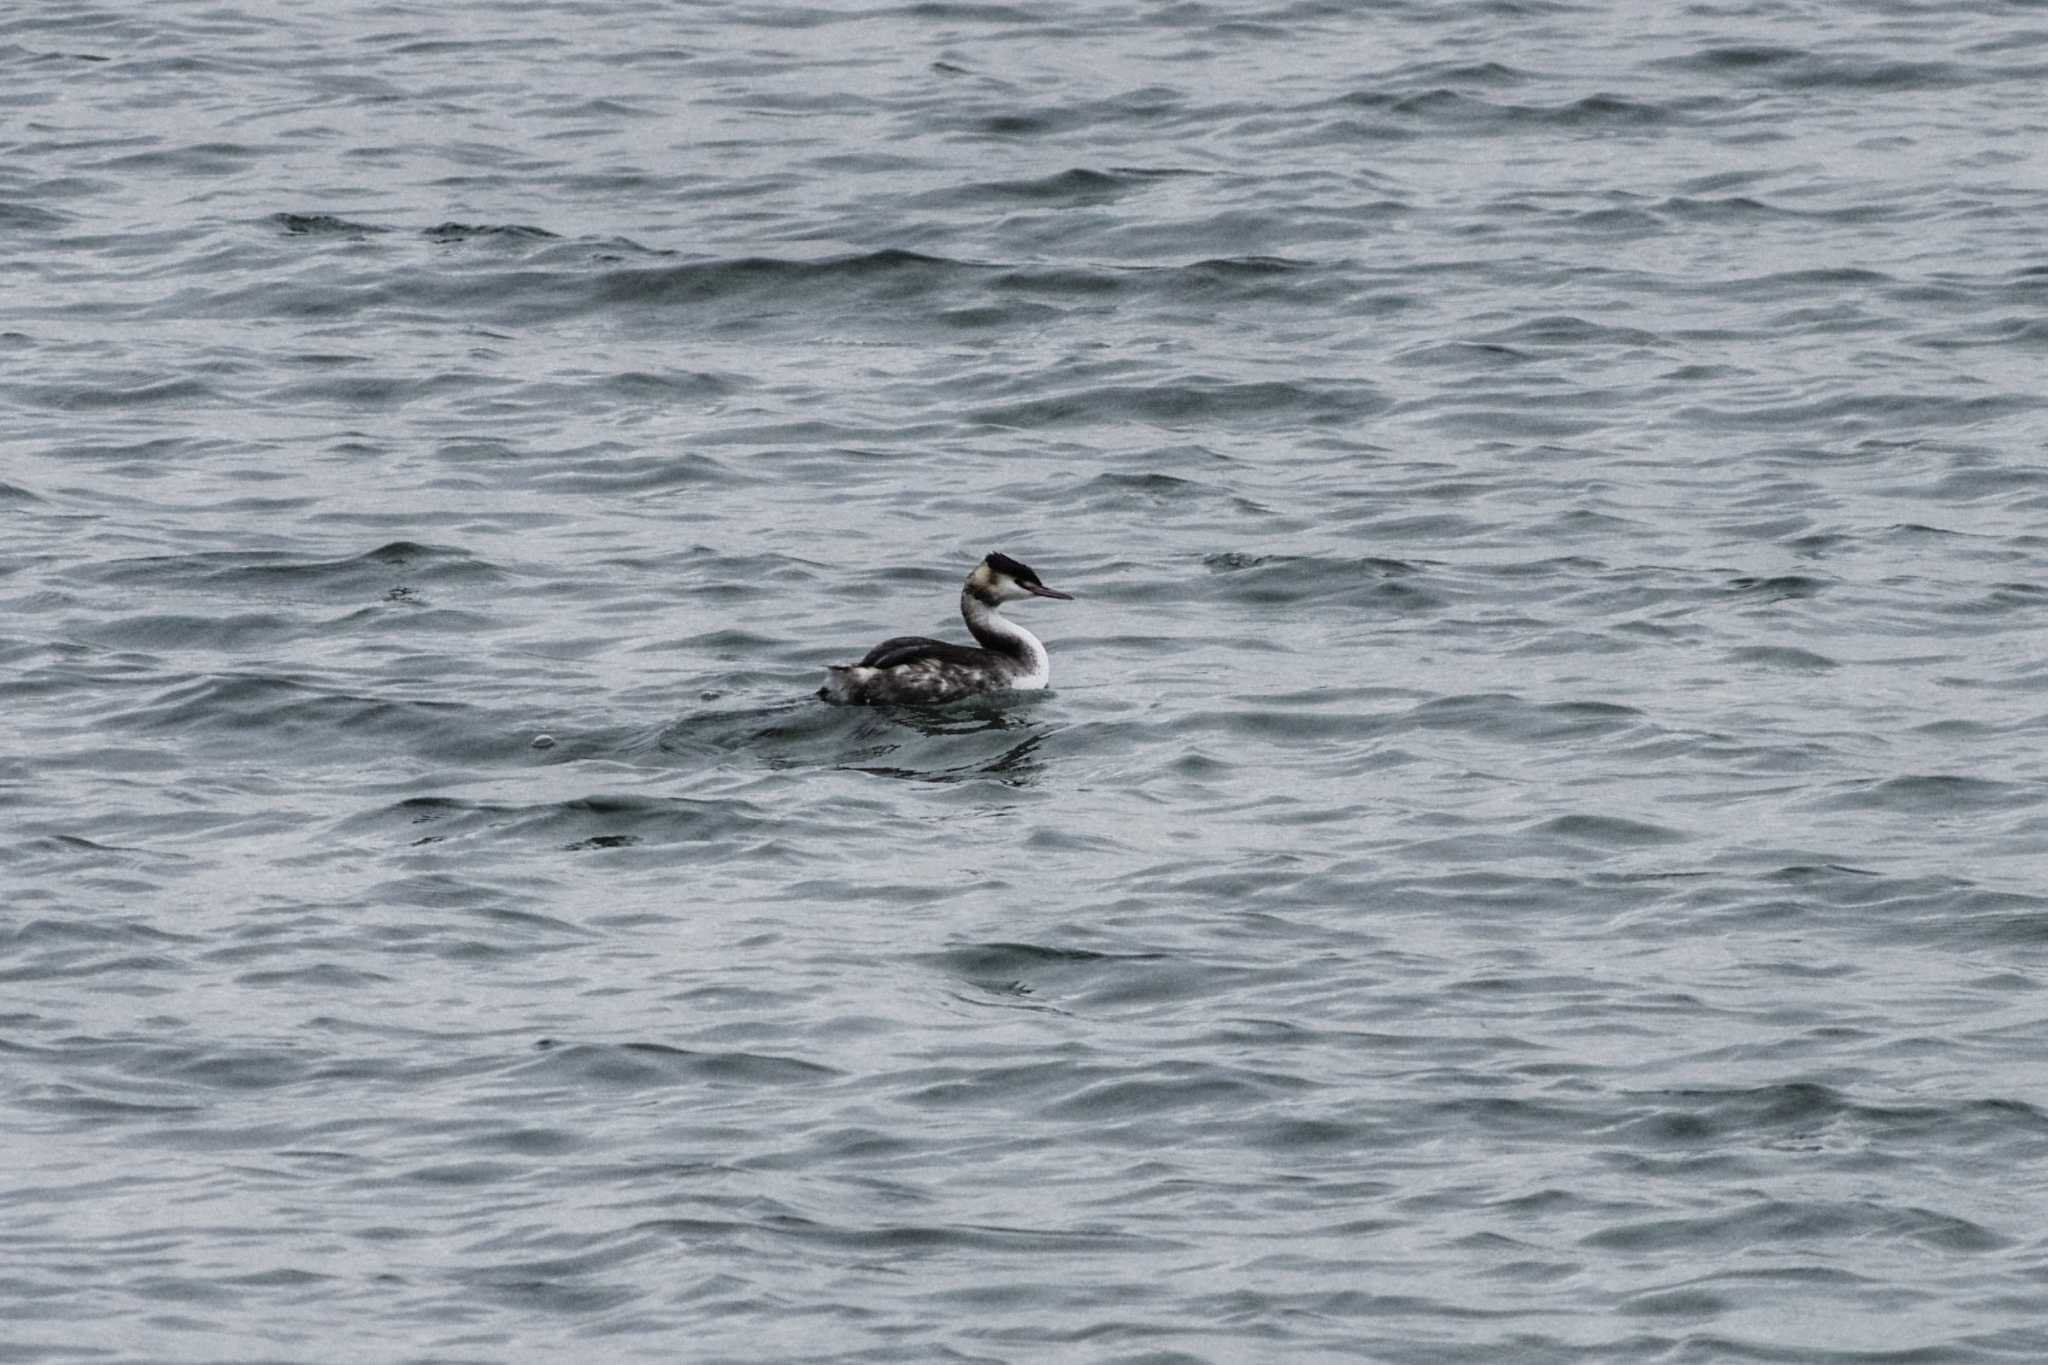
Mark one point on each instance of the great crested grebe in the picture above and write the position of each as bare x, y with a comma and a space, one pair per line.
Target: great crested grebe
911, 668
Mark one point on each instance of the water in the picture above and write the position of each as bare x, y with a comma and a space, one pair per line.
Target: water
1535, 852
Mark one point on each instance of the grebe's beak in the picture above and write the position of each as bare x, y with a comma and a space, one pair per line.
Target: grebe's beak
1040, 590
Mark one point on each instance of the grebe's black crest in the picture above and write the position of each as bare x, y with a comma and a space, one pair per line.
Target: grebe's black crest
912, 668
1015, 568
986, 582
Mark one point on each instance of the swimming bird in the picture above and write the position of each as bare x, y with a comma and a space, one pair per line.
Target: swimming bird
912, 668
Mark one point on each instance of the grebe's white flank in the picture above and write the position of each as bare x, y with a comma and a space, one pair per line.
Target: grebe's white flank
912, 668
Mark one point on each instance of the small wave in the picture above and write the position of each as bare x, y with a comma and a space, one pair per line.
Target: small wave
27, 218
1785, 657
1738, 209
44, 933
1155, 1098
1608, 831
1794, 68
1438, 75
1935, 794
895, 273
1150, 105
238, 711
1249, 278
233, 633
1026, 970
1563, 329
119, 393
1735, 57
1188, 403
1271, 580
606, 472
1798, 1223
273, 576
210, 160
1450, 108
1506, 715
1272, 724
1780, 587
720, 829
323, 225
965, 11
1078, 187
1463, 355
2014, 331
1792, 283
655, 1066
245, 1068
468, 232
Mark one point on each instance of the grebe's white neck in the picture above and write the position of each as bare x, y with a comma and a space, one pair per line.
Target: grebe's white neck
998, 634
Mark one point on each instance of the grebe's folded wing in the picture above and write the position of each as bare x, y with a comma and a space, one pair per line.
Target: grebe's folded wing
911, 649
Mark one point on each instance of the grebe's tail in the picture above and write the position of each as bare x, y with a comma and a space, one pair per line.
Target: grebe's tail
838, 686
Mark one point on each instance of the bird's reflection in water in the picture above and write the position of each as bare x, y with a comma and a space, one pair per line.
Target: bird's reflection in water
992, 742
958, 742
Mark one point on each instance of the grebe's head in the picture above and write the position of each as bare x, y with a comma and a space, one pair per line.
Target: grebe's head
999, 579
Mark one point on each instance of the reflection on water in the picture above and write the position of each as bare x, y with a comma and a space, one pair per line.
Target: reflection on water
993, 736
1015, 765
959, 742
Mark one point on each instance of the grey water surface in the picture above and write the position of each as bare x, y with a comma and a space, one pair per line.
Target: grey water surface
1536, 850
